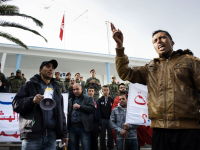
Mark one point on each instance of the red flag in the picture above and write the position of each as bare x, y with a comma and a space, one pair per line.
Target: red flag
62, 29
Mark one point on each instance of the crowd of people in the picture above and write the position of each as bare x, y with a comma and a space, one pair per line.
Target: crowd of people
87, 124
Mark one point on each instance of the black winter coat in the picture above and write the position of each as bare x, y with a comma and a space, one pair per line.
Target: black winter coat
23, 104
105, 109
87, 110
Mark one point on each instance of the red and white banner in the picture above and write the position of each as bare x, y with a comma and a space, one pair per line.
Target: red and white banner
137, 106
62, 28
9, 120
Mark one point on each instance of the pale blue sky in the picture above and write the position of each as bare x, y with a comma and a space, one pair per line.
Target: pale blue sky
137, 19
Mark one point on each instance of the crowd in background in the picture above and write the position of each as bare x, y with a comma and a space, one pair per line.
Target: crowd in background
109, 101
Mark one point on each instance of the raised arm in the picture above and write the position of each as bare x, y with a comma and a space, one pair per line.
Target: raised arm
134, 75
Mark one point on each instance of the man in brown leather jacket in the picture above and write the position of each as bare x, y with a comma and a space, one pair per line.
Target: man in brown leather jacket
173, 81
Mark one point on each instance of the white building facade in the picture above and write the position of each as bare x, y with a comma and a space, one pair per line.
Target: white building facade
14, 57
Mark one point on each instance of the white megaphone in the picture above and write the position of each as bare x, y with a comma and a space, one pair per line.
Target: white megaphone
48, 103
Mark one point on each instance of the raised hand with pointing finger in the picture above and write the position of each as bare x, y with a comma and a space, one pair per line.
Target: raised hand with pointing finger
117, 36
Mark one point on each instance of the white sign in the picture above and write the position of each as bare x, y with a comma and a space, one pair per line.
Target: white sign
9, 120
137, 106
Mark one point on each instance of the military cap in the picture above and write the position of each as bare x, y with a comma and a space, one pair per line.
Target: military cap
57, 72
53, 61
68, 73
92, 70
113, 76
12, 72
77, 73
18, 71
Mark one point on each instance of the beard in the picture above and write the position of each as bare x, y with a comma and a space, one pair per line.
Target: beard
46, 77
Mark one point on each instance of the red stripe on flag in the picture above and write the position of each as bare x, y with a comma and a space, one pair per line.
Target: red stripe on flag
62, 29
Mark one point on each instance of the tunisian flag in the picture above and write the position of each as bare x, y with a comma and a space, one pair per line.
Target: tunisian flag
62, 28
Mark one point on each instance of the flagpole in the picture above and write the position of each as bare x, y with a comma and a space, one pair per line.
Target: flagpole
64, 30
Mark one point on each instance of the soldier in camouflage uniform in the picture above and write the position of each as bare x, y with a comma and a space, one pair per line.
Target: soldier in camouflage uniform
77, 77
67, 80
113, 86
94, 82
57, 75
12, 76
82, 84
24, 78
16, 82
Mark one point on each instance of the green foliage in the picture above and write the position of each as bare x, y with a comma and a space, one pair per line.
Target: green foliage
11, 10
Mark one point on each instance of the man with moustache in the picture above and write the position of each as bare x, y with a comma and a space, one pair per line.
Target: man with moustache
123, 131
81, 109
70, 89
40, 128
121, 89
173, 81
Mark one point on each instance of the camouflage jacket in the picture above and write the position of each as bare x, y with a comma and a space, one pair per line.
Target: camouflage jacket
24, 80
83, 86
78, 81
114, 88
66, 83
62, 89
15, 84
9, 78
97, 87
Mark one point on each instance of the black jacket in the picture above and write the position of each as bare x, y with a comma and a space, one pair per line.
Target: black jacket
87, 110
105, 109
23, 104
97, 118
3, 89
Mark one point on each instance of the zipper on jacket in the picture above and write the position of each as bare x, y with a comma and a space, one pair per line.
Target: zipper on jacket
165, 95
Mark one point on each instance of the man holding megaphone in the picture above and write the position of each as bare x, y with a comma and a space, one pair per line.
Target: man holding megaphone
40, 104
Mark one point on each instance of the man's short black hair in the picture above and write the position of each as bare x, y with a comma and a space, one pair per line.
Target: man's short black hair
123, 93
105, 86
121, 84
90, 87
157, 31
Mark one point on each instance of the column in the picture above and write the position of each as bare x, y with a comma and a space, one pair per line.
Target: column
3, 60
108, 72
19, 56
